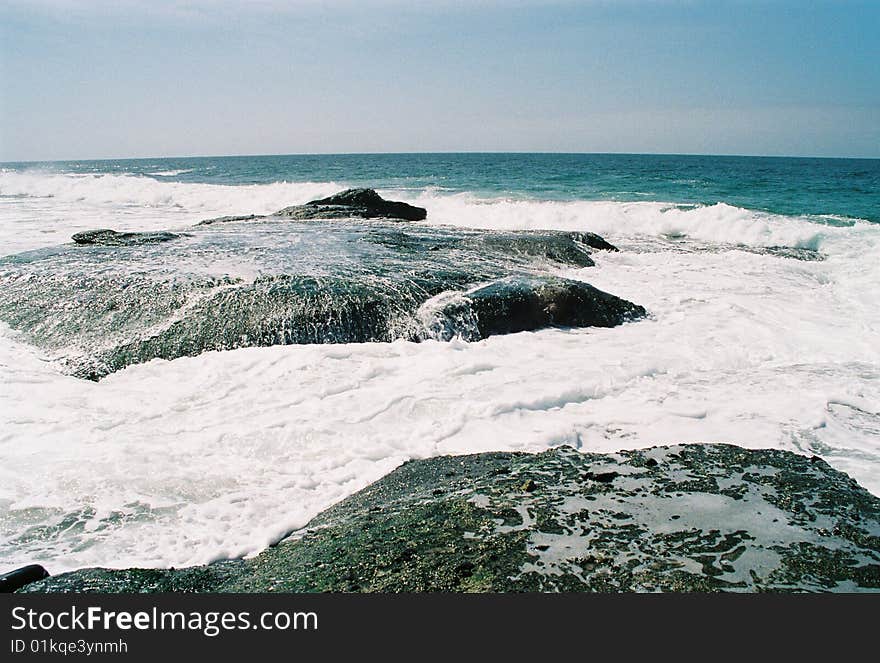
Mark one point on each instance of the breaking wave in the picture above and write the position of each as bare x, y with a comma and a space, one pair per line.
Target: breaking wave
184, 202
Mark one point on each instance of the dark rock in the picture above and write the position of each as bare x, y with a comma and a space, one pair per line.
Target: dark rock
231, 219
512, 305
188, 580
594, 241
343, 281
528, 303
355, 203
605, 477
14, 580
798, 526
105, 237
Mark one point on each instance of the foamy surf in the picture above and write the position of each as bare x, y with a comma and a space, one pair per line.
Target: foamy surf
37, 208
183, 462
40, 209
719, 223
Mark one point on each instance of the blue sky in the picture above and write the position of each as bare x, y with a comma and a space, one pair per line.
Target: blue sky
151, 78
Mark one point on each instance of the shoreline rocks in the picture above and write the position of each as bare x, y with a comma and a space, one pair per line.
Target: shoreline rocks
682, 518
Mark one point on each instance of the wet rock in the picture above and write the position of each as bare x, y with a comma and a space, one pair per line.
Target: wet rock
231, 219
594, 241
564, 248
105, 237
518, 304
466, 523
794, 253
561, 247
14, 580
606, 477
225, 286
188, 580
354, 203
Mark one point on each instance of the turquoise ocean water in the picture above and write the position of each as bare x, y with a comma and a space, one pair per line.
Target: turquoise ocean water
839, 189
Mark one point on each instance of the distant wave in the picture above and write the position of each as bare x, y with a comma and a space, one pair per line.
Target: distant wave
171, 173
718, 223
721, 222
138, 191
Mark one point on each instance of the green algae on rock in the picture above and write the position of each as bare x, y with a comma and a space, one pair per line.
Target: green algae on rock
684, 518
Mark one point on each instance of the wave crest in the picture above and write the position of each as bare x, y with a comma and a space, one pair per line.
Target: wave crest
170, 202
141, 191
718, 223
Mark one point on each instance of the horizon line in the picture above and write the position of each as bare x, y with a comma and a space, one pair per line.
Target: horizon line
438, 152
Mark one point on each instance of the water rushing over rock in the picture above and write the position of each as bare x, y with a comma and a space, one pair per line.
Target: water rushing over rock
115, 299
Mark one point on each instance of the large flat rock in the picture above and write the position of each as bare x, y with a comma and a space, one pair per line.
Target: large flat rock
681, 518
114, 299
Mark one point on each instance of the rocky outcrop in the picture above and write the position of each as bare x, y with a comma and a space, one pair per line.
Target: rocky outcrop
684, 518
348, 204
354, 203
513, 305
342, 281
105, 237
594, 241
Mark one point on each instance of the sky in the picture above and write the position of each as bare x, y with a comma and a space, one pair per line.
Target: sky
150, 78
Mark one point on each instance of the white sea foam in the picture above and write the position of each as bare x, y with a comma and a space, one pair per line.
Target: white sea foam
43, 209
181, 462
713, 223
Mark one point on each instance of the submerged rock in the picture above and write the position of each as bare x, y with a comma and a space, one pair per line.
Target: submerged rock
261, 283
683, 518
804, 254
107, 237
355, 203
568, 248
230, 219
559, 247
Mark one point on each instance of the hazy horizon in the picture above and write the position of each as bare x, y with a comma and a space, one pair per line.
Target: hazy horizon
101, 80
449, 152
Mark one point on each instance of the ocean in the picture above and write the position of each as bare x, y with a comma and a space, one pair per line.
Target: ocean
760, 277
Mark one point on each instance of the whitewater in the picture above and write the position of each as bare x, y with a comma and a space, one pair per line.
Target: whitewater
181, 462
